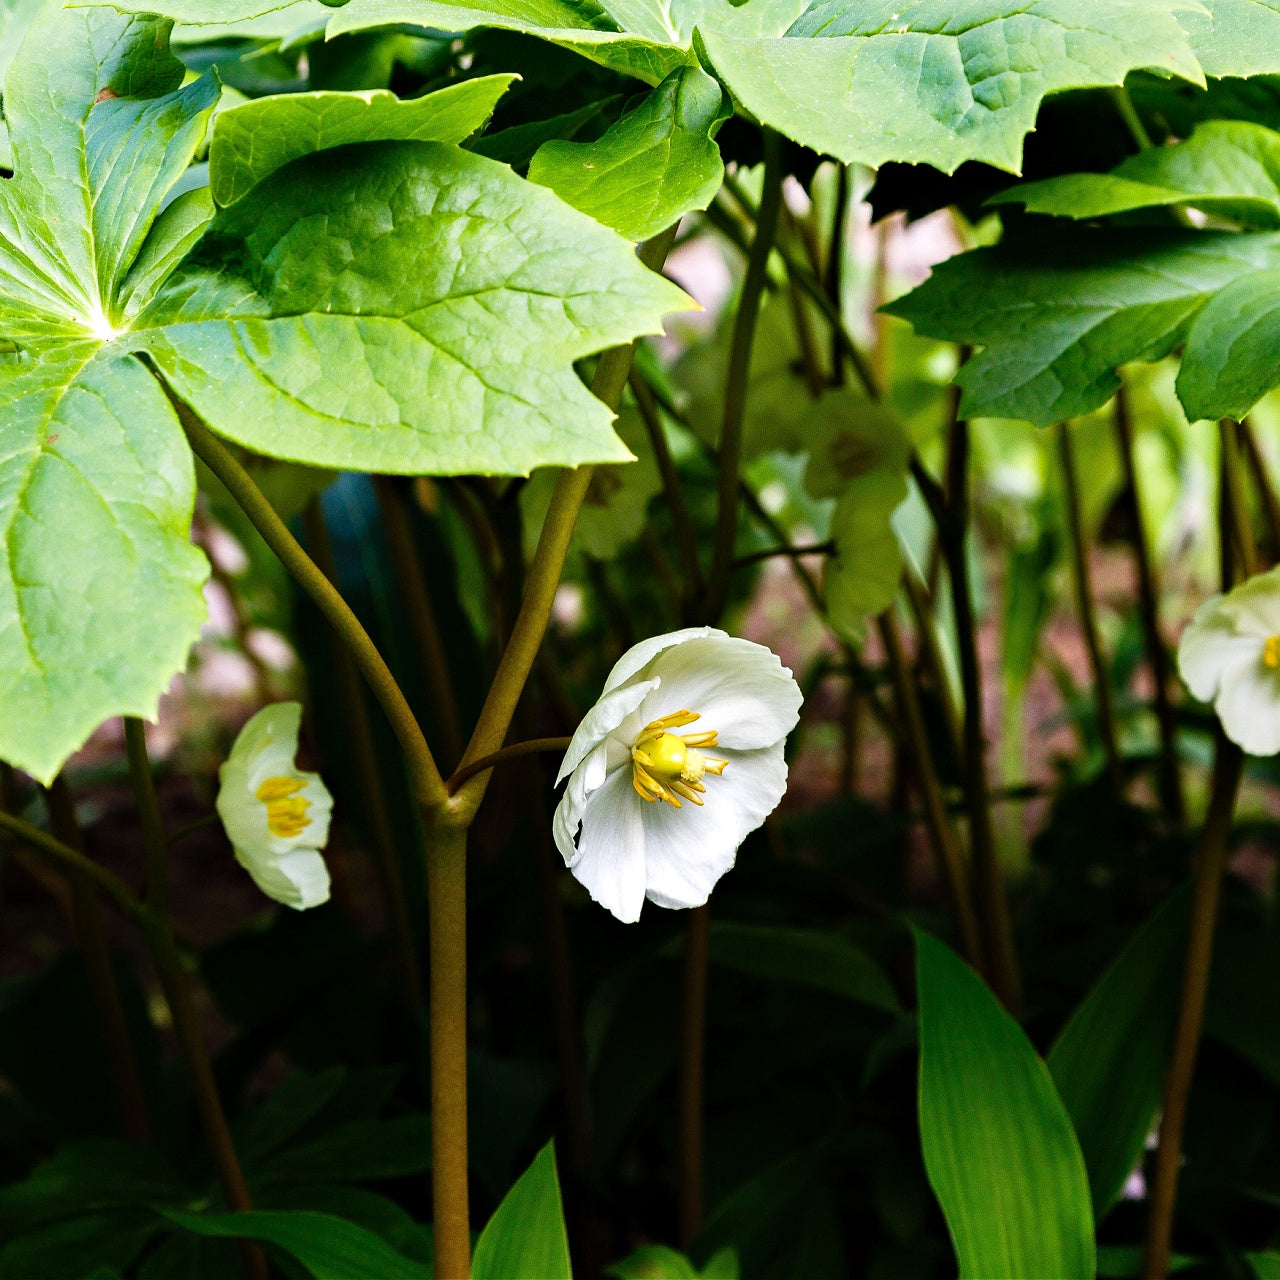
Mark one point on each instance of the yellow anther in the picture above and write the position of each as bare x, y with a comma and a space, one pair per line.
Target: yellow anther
1271, 653
669, 766
286, 810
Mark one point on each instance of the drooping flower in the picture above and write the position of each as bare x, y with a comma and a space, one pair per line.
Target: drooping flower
1230, 655
275, 814
679, 760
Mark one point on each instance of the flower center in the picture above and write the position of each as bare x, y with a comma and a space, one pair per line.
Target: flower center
670, 766
286, 809
1271, 653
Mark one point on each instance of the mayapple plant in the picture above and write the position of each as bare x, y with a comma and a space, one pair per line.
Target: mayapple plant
197, 277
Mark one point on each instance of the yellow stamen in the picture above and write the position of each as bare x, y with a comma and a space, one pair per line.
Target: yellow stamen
286, 810
1271, 653
670, 766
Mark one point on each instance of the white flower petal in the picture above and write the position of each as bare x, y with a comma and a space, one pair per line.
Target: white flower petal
688, 849
585, 779
1248, 705
610, 859
298, 879
740, 689
612, 709
243, 815
639, 655
1211, 646
1254, 605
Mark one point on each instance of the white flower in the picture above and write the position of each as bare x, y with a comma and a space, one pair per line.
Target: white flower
276, 816
1230, 656
679, 760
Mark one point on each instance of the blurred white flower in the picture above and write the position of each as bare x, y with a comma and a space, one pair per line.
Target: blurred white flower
678, 761
1230, 656
276, 816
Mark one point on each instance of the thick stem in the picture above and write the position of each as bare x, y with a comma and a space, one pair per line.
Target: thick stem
544, 572
91, 936
1170, 779
937, 821
363, 754
1235, 502
735, 395
447, 899
1195, 984
1103, 700
697, 952
427, 782
422, 616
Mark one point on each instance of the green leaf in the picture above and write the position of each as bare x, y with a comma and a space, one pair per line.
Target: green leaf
1230, 359
1234, 37
525, 1239
652, 167
1059, 313
100, 588
73, 1246
252, 141
426, 307
999, 1148
1227, 167
1266, 1266
328, 1247
937, 84
354, 1152
657, 1262
822, 961
1109, 1061
862, 576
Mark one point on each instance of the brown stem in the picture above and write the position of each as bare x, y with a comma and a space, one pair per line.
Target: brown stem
930, 651
770, 553
1170, 779
942, 836
697, 950
1235, 502
92, 939
1195, 985
1088, 620
992, 902
422, 616
363, 754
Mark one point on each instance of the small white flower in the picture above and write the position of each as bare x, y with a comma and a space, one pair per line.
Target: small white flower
276, 815
668, 773
1230, 656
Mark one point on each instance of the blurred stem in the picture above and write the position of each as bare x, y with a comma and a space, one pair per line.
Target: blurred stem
833, 268
1235, 500
86, 915
951, 515
1228, 768
697, 952
1104, 702
1211, 863
673, 490
427, 782
393, 502
154, 842
1262, 482
1132, 120
364, 755
175, 983
447, 899
1170, 780
941, 833
736, 382
544, 572
917, 594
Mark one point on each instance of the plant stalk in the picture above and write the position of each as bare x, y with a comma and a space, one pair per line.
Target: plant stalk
697, 954
1169, 777
1104, 701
